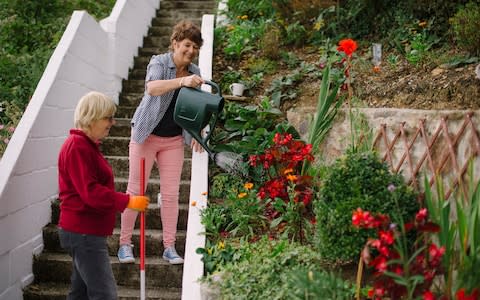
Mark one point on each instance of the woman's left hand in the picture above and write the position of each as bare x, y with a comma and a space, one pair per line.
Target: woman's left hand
196, 146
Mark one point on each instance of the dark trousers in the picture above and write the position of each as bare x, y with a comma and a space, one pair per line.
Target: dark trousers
92, 276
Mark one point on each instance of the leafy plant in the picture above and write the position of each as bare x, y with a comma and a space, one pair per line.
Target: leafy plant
216, 255
356, 180
262, 270
465, 24
459, 235
327, 107
287, 193
402, 270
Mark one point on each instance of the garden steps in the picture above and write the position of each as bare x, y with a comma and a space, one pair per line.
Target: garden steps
52, 268
57, 291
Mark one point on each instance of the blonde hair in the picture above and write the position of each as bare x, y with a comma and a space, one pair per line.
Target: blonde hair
91, 107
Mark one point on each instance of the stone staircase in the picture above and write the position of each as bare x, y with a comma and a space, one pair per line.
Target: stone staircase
52, 268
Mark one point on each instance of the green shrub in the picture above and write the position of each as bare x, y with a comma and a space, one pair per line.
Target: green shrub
465, 25
266, 270
357, 180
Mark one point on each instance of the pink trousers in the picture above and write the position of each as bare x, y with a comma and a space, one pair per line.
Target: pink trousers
168, 153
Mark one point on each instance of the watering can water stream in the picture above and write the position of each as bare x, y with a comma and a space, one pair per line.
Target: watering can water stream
194, 110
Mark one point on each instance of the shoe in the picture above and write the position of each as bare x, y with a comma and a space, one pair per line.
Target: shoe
171, 255
125, 254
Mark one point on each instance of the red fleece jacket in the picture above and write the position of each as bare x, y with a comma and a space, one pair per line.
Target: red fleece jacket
88, 201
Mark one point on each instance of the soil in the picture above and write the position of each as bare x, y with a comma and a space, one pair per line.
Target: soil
430, 87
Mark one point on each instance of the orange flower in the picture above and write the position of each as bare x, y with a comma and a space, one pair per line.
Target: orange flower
291, 178
242, 195
348, 46
204, 193
376, 69
194, 203
287, 171
248, 185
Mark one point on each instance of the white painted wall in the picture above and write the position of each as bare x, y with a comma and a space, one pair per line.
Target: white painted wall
89, 56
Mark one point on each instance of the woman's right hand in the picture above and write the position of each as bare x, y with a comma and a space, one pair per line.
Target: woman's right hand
138, 203
192, 81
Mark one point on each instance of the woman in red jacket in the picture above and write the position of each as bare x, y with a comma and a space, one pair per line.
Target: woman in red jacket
88, 201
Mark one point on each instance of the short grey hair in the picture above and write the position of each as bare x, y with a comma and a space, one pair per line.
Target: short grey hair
91, 107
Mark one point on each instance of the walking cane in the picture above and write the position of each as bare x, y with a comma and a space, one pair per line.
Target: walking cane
142, 232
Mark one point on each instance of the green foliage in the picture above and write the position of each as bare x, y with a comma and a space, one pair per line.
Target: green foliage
465, 25
29, 32
216, 255
318, 284
215, 219
242, 38
222, 183
356, 180
296, 34
264, 270
247, 129
459, 233
327, 108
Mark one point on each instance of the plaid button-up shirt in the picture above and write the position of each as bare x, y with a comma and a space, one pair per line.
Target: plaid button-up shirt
151, 109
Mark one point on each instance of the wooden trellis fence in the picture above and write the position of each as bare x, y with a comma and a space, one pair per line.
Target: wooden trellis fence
444, 151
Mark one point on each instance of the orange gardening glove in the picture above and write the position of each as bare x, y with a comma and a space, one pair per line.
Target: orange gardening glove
138, 203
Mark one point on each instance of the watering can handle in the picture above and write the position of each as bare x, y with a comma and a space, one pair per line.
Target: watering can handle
213, 84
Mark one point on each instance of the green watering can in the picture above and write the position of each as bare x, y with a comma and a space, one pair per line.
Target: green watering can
196, 109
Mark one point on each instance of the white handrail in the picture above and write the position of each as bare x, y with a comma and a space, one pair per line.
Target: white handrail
193, 265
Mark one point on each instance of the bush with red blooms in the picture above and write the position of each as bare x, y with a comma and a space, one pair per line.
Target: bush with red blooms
400, 270
287, 192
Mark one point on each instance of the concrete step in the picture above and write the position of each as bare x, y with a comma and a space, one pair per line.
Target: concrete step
133, 85
208, 6
122, 127
130, 99
183, 14
141, 62
125, 112
169, 22
139, 74
156, 41
57, 267
57, 291
153, 240
149, 51
120, 165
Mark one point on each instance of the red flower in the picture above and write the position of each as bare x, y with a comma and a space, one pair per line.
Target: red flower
428, 296
421, 215
348, 46
462, 295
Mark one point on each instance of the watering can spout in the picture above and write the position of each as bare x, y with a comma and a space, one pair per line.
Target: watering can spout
195, 109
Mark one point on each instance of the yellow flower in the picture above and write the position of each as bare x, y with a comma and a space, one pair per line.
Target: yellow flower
221, 245
230, 27
209, 251
318, 25
248, 185
287, 171
242, 195
244, 17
